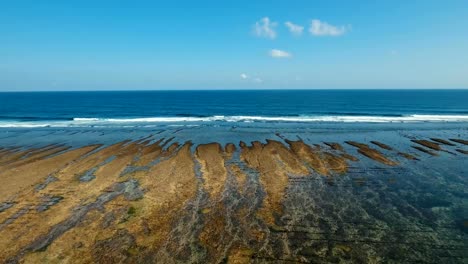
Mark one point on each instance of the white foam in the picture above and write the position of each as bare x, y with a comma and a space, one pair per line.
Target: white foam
364, 119
25, 125
370, 119
85, 119
145, 121
150, 119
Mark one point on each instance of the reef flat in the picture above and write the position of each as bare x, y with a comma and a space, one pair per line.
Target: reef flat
235, 195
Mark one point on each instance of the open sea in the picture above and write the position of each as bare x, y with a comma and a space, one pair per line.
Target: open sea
152, 108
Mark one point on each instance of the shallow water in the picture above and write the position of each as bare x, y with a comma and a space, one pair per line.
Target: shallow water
416, 211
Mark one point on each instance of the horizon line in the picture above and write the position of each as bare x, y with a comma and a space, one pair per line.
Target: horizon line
232, 89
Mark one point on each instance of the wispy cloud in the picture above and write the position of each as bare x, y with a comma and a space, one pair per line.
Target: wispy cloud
250, 78
321, 28
265, 28
294, 29
276, 53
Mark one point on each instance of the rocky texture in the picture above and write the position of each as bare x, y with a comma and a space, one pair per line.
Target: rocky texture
334, 146
462, 151
154, 200
432, 153
341, 152
372, 153
335, 163
427, 144
442, 141
310, 155
275, 163
15, 178
381, 145
459, 140
349, 157
214, 173
213, 170
407, 156
230, 149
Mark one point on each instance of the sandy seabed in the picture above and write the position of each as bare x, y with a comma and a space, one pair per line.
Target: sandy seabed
234, 194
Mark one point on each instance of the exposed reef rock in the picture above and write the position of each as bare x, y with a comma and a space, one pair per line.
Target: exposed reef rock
335, 163
407, 156
229, 149
213, 169
428, 144
461, 141
372, 153
382, 145
334, 146
161, 200
442, 141
310, 155
274, 162
349, 157
432, 153
21, 176
462, 151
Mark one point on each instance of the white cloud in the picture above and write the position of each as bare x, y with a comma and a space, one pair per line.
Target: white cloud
258, 80
294, 29
275, 53
320, 28
251, 78
265, 28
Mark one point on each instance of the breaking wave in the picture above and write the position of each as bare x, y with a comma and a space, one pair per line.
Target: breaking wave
90, 122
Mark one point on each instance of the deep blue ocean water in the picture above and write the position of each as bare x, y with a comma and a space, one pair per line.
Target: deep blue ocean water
31, 109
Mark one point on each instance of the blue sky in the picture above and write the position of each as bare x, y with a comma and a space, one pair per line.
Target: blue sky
115, 45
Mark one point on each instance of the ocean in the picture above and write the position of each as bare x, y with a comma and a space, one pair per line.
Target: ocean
316, 176
152, 108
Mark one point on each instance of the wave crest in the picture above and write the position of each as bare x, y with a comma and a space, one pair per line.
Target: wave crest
141, 121
327, 118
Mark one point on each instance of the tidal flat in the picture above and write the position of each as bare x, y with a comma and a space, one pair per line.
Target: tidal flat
295, 193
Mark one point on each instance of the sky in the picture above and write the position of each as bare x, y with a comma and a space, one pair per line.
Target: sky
242, 44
